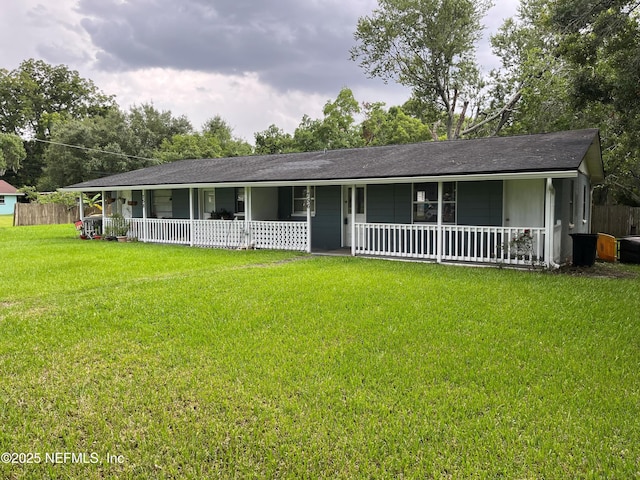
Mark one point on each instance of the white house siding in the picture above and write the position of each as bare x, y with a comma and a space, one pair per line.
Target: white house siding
524, 203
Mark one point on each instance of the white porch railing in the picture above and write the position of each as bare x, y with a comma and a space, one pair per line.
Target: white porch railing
506, 245
397, 240
278, 235
220, 233
155, 230
253, 234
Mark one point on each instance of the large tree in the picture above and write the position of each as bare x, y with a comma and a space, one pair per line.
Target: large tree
12, 152
427, 45
116, 142
34, 97
151, 127
193, 145
273, 140
35, 94
230, 145
601, 41
337, 128
215, 140
87, 149
576, 64
393, 126
532, 74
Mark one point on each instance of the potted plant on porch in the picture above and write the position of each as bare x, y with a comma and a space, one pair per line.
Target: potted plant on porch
117, 227
222, 214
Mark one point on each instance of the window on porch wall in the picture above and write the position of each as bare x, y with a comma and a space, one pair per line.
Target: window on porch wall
240, 202
208, 203
300, 200
425, 202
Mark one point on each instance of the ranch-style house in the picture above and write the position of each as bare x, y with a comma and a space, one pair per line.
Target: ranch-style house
499, 200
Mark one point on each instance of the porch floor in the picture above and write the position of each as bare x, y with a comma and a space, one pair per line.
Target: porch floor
338, 252
346, 252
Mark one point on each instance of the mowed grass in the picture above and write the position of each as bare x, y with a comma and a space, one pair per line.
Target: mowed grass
6, 221
196, 363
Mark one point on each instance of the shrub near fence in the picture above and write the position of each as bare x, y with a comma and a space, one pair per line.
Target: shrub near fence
47, 214
616, 220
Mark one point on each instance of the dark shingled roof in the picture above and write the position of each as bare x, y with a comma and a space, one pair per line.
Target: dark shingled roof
561, 151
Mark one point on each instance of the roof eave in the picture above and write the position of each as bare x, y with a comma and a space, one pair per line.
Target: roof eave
343, 181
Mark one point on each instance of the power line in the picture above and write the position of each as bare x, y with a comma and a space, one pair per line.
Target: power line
96, 150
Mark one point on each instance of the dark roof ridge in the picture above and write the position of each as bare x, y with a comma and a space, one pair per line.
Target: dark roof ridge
555, 151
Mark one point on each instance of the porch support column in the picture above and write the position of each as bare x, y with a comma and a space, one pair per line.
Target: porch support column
104, 208
191, 217
308, 202
145, 227
440, 233
549, 210
247, 217
353, 220
81, 206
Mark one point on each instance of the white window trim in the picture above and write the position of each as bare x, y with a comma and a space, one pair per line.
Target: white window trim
203, 201
444, 202
303, 213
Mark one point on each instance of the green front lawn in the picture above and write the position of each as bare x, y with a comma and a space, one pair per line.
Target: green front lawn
6, 221
197, 363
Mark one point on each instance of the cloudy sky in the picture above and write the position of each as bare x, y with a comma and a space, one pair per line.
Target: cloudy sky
254, 63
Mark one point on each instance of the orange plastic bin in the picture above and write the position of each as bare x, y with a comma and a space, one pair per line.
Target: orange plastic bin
606, 247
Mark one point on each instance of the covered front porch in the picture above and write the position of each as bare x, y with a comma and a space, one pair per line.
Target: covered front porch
354, 219
468, 244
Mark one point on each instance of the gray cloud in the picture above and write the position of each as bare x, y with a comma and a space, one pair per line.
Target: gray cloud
290, 44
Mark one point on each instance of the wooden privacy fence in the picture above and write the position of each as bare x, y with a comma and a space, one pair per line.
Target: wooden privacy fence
616, 220
47, 214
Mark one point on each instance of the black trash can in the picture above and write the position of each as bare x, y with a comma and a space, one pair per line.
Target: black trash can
629, 249
584, 249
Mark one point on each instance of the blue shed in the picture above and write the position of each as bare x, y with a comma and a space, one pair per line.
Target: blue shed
8, 198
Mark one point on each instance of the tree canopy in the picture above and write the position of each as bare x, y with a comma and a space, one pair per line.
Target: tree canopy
427, 45
565, 64
601, 42
12, 152
576, 64
36, 96
83, 149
